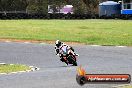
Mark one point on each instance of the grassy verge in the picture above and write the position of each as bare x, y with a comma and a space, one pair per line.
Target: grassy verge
100, 32
129, 86
13, 68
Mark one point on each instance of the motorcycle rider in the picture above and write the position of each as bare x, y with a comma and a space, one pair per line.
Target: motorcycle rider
61, 49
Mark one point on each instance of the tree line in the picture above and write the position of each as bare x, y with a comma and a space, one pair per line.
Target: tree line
41, 6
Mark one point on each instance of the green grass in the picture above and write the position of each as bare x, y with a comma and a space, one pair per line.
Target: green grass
128, 86
100, 32
13, 68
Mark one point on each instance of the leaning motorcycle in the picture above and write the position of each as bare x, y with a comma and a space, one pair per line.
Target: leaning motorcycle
69, 59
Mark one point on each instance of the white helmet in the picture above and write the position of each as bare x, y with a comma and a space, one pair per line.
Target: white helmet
58, 43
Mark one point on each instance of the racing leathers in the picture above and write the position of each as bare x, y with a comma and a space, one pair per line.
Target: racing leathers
64, 50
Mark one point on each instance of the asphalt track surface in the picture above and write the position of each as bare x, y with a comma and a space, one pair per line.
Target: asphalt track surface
55, 74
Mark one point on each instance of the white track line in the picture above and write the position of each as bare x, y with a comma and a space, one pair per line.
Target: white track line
27, 42
95, 45
7, 41
3, 73
2, 63
42, 43
121, 46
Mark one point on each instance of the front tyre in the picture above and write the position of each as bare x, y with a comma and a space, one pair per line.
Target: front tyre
75, 64
72, 60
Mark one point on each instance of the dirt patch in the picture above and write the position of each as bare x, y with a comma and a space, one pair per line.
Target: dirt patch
40, 41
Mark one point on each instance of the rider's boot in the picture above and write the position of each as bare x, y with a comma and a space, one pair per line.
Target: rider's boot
76, 54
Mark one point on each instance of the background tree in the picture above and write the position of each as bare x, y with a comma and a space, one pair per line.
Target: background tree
13, 5
56, 5
0, 6
18, 5
41, 6
37, 6
91, 5
78, 6
4, 5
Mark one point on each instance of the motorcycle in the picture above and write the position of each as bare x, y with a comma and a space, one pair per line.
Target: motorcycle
69, 58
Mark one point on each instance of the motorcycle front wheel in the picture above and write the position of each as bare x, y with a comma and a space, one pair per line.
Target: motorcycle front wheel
72, 60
